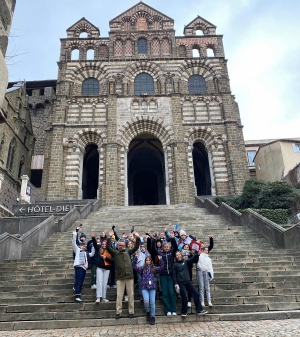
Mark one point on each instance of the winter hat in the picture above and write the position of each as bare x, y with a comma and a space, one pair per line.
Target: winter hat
82, 235
182, 232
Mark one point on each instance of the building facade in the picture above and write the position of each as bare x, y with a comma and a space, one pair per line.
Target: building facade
7, 8
16, 144
274, 160
143, 116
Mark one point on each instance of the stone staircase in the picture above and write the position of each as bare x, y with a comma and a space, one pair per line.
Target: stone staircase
253, 280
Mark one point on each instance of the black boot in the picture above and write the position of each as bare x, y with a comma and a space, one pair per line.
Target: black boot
152, 320
148, 316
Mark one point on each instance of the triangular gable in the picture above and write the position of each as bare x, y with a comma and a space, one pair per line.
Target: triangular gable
83, 25
206, 26
140, 6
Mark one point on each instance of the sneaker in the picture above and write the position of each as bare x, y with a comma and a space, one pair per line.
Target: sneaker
78, 299
189, 304
104, 300
93, 286
202, 303
203, 312
148, 316
152, 320
169, 313
125, 298
97, 300
118, 316
113, 286
174, 314
131, 316
107, 286
183, 315
210, 304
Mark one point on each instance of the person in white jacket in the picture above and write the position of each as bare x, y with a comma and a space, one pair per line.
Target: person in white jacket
205, 273
80, 265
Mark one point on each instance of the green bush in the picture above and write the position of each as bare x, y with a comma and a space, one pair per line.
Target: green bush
219, 200
278, 194
251, 190
279, 216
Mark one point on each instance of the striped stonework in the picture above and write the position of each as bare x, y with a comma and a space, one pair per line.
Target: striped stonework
126, 123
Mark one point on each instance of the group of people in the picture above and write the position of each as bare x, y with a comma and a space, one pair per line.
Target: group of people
162, 261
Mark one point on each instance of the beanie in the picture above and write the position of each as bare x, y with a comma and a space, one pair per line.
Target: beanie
182, 232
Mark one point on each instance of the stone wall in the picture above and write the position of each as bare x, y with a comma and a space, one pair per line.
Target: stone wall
7, 8
114, 116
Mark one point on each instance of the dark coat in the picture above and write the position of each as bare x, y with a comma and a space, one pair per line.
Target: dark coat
181, 269
122, 259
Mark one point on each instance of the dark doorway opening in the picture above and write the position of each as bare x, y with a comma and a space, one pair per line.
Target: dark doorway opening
201, 170
90, 175
146, 171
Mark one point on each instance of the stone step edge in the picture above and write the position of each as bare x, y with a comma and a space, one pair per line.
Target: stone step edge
65, 324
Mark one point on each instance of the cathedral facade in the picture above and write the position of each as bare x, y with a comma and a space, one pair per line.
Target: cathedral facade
143, 116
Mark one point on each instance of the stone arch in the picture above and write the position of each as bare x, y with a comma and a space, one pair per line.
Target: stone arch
203, 134
74, 160
198, 67
139, 125
136, 68
87, 136
83, 27
214, 144
91, 70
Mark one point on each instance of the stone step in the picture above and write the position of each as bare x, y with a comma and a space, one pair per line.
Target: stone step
253, 280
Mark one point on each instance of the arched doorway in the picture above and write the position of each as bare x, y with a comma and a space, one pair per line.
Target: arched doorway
90, 174
146, 171
201, 169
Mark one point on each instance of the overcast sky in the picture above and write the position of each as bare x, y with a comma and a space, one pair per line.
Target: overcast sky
261, 41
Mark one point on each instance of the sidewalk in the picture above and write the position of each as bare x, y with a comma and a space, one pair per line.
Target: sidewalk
201, 329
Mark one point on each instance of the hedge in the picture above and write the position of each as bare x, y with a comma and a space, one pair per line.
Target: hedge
279, 216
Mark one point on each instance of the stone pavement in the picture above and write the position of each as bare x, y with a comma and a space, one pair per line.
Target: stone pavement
275, 328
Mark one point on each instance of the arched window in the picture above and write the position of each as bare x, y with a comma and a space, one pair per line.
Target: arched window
90, 87
143, 84
83, 35
75, 55
210, 52
11, 154
90, 54
142, 46
197, 85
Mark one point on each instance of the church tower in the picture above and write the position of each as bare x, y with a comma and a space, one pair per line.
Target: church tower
143, 117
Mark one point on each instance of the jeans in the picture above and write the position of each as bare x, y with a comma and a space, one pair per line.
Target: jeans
188, 286
168, 293
139, 277
79, 279
203, 283
149, 300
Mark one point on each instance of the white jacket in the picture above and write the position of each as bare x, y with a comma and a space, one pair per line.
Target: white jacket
80, 255
205, 264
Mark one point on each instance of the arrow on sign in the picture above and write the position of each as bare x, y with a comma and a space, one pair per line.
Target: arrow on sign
21, 209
